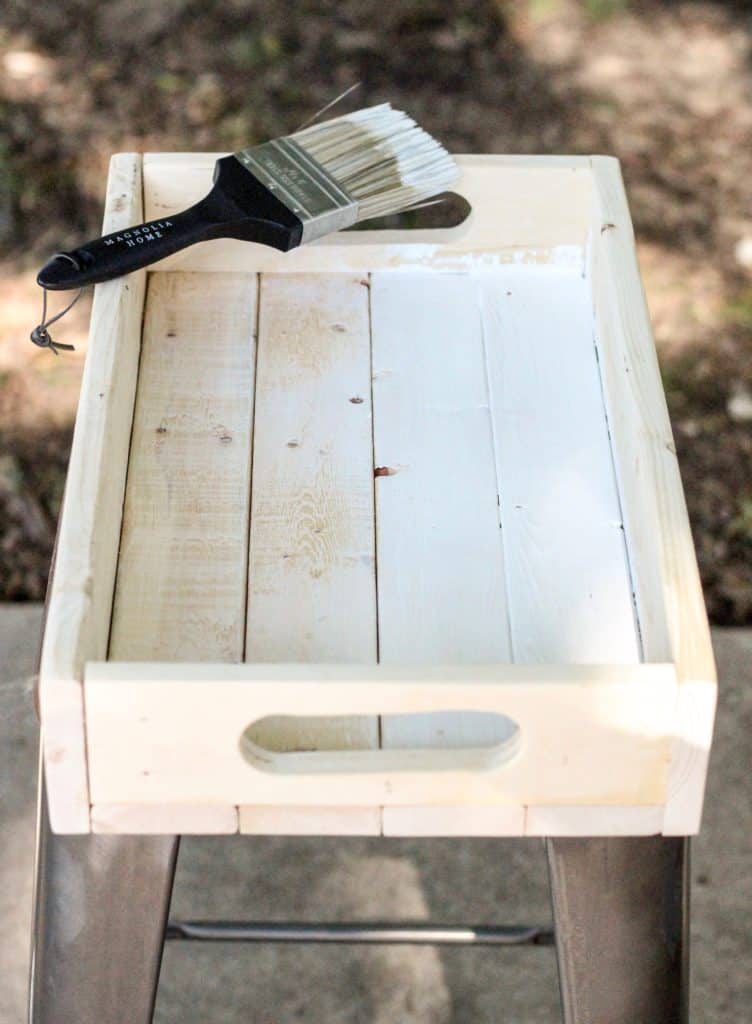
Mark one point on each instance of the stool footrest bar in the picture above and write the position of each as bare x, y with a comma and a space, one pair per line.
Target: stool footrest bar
367, 932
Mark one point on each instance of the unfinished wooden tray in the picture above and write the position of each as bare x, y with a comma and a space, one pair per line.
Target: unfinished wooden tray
384, 535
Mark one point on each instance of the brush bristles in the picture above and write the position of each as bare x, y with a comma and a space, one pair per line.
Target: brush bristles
381, 157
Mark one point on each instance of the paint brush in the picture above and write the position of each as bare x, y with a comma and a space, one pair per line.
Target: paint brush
284, 193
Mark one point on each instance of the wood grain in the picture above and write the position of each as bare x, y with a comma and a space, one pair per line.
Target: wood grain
526, 208
312, 577
181, 585
308, 821
162, 733
80, 598
164, 819
673, 619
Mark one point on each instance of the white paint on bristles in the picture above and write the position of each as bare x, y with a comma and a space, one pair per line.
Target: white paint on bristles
381, 157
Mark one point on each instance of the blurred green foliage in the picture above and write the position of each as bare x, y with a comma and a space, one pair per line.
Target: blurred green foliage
600, 10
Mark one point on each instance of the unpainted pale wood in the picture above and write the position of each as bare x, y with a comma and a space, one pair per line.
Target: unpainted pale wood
164, 819
551, 820
570, 592
505, 820
573, 721
80, 598
309, 821
488, 413
312, 574
673, 620
181, 586
528, 209
593, 820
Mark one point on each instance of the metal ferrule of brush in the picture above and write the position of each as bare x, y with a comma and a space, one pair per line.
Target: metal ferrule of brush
302, 184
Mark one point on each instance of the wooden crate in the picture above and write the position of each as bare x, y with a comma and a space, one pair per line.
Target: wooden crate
384, 535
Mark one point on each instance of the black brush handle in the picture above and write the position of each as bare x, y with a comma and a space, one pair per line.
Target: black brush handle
124, 251
238, 206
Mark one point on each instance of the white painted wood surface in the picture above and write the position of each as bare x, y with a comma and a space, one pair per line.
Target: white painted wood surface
312, 574
289, 820
594, 820
164, 819
442, 589
552, 820
312, 589
454, 821
80, 598
570, 595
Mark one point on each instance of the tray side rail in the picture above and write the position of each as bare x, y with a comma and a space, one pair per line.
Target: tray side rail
80, 599
671, 611
178, 733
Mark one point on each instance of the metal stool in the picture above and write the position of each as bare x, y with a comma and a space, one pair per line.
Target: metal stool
101, 917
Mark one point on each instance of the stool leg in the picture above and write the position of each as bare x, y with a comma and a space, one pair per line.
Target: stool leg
621, 912
100, 909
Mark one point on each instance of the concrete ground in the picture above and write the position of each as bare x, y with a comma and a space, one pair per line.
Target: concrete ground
463, 880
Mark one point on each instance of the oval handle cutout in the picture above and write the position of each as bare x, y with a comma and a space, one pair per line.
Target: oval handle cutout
288, 744
447, 210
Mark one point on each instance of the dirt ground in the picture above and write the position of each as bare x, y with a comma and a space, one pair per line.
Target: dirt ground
666, 87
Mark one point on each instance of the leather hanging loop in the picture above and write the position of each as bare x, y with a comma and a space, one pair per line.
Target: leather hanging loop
41, 336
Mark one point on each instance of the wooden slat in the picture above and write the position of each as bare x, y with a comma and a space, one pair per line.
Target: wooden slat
181, 583
440, 563
570, 592
445, 349
673, 619
312, 586
539, 206
594, 820
570, 596
308, 821
80, 598
311, 590
164, 819
552, 820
